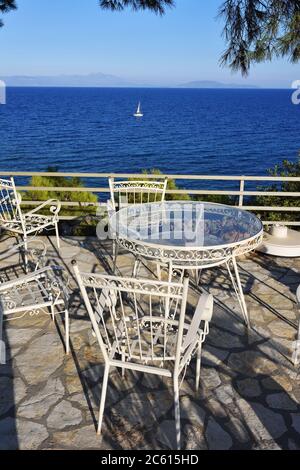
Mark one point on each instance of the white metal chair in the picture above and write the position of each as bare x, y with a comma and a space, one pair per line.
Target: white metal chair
36, 253
124, 193
30, 223
297, 348
142, 325
43, 291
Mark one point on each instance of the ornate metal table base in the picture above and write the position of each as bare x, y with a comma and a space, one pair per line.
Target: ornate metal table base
222, 234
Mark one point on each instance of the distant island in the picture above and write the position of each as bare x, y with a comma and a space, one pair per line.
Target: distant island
101, 80
212, 84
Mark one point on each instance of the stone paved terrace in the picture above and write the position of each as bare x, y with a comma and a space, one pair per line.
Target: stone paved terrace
250, 391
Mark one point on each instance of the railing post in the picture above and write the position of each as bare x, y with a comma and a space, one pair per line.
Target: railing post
241, 198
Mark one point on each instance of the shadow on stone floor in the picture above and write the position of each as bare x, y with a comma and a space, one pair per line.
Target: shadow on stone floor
284, 270
276, 295
241, 404
280, 308
10, 389
249, 397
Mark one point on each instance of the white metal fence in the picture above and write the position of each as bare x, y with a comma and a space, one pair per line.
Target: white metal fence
242, 192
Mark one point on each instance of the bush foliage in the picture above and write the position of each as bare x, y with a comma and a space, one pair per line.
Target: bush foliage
285, 169
63, 196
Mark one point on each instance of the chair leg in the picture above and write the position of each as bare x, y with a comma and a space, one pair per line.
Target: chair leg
57, 236
67, 331
103, 397
177, 412
52, 313
25, 253
198, 366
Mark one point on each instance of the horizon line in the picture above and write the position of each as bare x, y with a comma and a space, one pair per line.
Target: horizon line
149, 87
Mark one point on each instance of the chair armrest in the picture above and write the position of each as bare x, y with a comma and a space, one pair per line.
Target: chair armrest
55, 207
203, 312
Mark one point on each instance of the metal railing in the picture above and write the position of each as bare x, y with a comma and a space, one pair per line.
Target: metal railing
241, 193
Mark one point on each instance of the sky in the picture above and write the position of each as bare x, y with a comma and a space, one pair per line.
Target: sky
52, 37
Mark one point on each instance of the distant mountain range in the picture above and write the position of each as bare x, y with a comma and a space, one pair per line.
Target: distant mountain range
100, 80
91, 80
212, 84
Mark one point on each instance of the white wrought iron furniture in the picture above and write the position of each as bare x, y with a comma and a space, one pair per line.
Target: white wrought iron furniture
143, 325
43, 291
36, 253
190, 236
14, 220
297, 348
124, 193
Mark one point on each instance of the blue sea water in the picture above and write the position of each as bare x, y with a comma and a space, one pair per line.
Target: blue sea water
223, 132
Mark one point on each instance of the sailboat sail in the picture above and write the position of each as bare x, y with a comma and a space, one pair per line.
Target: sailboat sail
138, 111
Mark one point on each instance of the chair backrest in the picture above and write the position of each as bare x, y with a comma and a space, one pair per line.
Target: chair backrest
124, 193
142, 320
10, 201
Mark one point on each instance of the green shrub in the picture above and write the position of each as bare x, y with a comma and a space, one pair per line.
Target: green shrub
285, 169
85, 216
218, 199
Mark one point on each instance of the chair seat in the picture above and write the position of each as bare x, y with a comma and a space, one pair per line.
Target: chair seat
12, 225
33, 222
33, 295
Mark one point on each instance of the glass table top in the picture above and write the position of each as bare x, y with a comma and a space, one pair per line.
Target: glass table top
186, 224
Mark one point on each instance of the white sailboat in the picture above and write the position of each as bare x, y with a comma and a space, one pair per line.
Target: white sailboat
138, 111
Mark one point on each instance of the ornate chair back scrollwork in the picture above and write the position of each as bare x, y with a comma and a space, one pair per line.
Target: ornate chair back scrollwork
124, 193
10, 211
30, 223
143, 325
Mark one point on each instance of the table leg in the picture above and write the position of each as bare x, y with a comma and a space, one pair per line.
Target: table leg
115, 255
238, 288
296, 354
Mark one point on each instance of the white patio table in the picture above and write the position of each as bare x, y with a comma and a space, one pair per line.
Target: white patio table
190, 236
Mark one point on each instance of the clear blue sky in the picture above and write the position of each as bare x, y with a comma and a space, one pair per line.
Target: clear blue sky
50, 37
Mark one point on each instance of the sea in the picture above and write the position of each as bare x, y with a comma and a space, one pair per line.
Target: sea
183, 131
